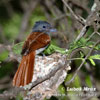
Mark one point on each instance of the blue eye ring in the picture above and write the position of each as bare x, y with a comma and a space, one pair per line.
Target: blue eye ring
44, 26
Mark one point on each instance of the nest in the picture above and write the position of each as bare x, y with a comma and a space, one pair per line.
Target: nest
45, 65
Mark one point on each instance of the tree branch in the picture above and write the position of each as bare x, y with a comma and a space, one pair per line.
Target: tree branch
72, 79
75, 16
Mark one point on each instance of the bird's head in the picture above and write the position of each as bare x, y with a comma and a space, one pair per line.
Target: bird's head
43, 26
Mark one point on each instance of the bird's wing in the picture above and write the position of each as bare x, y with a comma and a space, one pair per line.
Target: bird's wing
35, 41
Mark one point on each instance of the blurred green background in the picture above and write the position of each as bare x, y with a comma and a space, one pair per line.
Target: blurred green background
17, 18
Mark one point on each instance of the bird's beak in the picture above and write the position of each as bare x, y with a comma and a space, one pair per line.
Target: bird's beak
53, 30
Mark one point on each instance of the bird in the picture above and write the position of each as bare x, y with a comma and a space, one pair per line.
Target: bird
37, 41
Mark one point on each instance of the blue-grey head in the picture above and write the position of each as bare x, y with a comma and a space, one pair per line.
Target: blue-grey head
43, 26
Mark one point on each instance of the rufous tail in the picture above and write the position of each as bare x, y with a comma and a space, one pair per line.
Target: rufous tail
24, 73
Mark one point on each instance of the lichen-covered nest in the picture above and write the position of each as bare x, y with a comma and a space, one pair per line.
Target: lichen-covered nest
44, 65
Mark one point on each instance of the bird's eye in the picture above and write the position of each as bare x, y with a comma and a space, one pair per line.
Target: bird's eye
44, 26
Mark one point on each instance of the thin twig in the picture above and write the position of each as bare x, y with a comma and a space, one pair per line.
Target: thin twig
24, 24
7, 47
11, 93
71, 11
80, 19
91, 36
61, 17
98, 33
87, 23
82, 33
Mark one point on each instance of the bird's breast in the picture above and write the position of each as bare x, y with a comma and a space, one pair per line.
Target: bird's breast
41, 50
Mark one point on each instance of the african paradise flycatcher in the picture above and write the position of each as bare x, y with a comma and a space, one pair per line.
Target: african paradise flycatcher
36, 43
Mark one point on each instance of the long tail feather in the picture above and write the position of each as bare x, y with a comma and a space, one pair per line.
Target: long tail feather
24, 73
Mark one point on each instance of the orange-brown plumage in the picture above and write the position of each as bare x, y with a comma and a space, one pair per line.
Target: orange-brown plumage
35, 41
24, 73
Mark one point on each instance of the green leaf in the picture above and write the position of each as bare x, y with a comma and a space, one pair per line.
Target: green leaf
77, 81
69, 76
3, 55
99, 46
19, 97
92, 62
17, 48
61, 89
78, 44
11, 27
6, 69
97, 56
82, 54
83, 42
53, 48
88, 81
